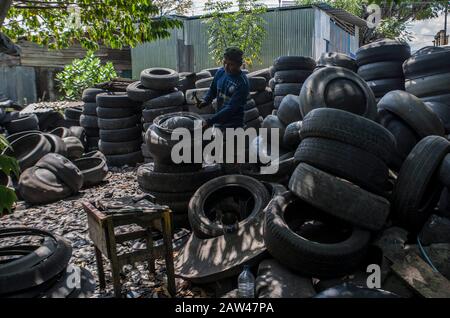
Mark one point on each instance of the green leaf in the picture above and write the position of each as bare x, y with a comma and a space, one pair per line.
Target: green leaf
7, 199
8, 165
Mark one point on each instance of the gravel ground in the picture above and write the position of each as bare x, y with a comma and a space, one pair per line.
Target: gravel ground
67, 218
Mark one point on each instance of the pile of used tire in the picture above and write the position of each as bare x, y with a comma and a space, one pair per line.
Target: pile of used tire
288, 75
14, 122
54, 165
120, 130
336, 59
159, 95
89, 119
263, 98
260, 98
35, 264
380, 65
173, 184
72, 116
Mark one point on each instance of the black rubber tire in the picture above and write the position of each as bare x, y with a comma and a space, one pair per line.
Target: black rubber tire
202, 225
443, 112
137, 92
357, 97
251, 114
13, 137
94, 170
255, 123
272, 83
422, 64
291, 138
116, 100
384, 86
432, 85
286, 89
211, 70
177, 202
384, 50
92, 143
80, 133
276, 102
291, 76
260, 73
176, 168
339, 198
118, 123
90, 109
345, 161
414, 112
417, 189
130, 159
265, 109
89, 95
89, 121
444, 171
153, 181
49, 120
337, 59
272, 122
29, 149
257, 84
61, 132
24, 123
40, 186
94, 154
199, 92
73, 113
406, 138
32, 277
202, 74
119, 148
284, 63
289, 110
64, 169
381, 70
91, 132
114, 113
310, 258
250, 104
75, 148
121, 135
263, 97
351, 129
166, 100
444, 99
57, 144
160, 79
204, 82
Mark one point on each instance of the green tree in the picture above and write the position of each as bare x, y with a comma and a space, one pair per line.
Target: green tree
61, 23
396, 15
243, 28
8, 166
82, 74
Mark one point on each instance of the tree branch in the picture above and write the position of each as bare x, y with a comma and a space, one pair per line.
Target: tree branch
4, 8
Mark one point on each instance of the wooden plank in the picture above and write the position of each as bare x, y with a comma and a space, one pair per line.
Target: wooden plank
421, 278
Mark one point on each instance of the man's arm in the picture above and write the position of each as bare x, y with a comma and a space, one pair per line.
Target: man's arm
212, 92
230, 107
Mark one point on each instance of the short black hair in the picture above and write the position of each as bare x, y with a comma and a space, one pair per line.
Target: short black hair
234, 54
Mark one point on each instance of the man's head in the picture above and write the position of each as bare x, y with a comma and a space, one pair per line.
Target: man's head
232, 60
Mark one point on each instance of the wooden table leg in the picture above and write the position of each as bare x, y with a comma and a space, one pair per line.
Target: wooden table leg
167, 235
101, 272
151, 261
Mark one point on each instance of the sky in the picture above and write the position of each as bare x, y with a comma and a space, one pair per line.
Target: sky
423, 31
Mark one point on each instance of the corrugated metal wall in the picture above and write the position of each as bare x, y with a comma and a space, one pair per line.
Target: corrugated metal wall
162, 53
289, 32
18, 83
339, 39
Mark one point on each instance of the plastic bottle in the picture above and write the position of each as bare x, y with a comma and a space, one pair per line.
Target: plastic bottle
246, 283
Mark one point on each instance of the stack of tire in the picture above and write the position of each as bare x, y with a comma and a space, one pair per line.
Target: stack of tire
120, 129
157, 90
40, 270
289, 73
89, 119
380, 65
427, 75
172, 183
263, 98
409, 120
252, 115
340, 183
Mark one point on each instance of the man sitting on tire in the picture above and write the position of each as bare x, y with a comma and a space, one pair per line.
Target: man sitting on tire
231, 88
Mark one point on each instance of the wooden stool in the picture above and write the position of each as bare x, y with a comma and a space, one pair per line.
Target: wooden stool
104, 216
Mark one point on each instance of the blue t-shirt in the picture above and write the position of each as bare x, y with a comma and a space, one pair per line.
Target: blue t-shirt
231, 92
